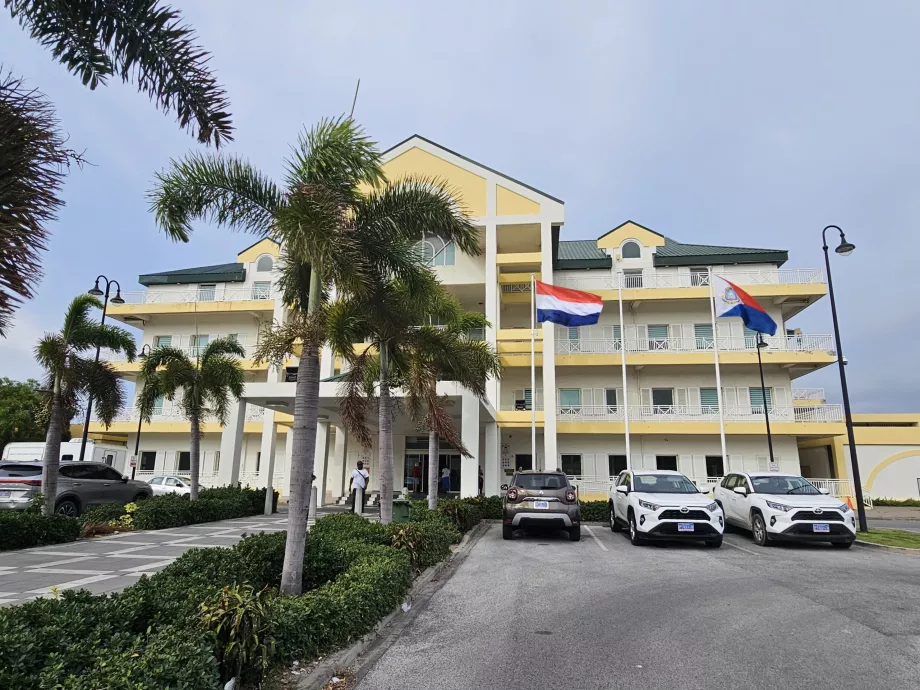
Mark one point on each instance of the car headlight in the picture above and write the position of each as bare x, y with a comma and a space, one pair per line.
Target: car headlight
712, 507
843, 508
778, 506
648, 506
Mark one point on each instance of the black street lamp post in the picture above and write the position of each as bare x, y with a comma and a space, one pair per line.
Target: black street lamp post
117, 299
761, 343
137, 441
845, 249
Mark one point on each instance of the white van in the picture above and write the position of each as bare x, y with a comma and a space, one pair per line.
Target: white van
32, 451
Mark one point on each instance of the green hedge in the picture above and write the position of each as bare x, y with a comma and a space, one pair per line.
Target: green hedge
594, 511
22, 529
172, 510
901, 502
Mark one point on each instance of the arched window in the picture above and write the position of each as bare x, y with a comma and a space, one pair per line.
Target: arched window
631, 250
436, 252
264, 264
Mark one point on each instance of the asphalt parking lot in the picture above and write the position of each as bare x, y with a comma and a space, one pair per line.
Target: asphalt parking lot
542, 612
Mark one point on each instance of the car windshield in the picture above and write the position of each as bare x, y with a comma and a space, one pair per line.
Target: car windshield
540, 482
784, 485
20, 470
664, 484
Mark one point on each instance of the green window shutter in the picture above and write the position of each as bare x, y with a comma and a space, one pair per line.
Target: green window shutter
617, 335
570, 397
757, 399
750, 338
709, 399
658, 332
573, 332
704, 336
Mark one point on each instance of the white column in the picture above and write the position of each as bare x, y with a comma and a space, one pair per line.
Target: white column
341, 456
231, 445
492, 304
288, 452
267, 449
326, 363
319, 462
550, 460
469, 434
492, 453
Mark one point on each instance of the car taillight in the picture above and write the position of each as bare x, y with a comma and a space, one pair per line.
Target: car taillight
570, 496
28, 482
512, 494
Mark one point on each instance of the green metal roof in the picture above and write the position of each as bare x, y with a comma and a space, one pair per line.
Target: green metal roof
221, 273
574, 254
679, 254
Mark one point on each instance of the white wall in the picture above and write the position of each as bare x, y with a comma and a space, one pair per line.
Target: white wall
897, 480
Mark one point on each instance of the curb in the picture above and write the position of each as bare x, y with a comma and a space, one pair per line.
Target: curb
885, 547
325, 669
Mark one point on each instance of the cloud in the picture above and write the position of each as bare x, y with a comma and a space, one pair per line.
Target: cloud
17, 356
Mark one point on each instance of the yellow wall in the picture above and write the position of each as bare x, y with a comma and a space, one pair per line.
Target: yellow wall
265, 246
508, 203
628, 230
469, 188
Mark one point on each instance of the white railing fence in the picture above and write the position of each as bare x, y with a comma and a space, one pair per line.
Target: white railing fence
219, 293
174, 413
808, 394
697, 413
191, 345
600, 346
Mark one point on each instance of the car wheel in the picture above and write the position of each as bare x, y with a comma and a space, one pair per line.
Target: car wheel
140, 497
507, 532
67, 507
634, 532
714, 543
614, 525
759, 528
841, 544
575, 533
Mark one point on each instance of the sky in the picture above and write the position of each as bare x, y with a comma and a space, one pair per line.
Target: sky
752, 124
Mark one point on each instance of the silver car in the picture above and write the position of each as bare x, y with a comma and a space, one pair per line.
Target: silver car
80, 484
170, 484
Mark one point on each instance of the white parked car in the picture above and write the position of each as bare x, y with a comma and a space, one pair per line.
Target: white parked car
170, 484
663, 505
775, 506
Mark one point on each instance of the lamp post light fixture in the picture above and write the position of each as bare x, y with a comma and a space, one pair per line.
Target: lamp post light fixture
137, 440
845, 248
117, 299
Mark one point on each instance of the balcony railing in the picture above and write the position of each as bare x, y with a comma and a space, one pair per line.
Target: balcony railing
696, 413
188, 344
201, 294
174, 413
670, 278
808, 394
602, 346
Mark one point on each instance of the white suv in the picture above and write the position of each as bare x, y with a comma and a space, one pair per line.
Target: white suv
661, 504
778, 506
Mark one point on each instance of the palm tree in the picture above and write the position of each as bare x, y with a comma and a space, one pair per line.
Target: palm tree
137, 40
71, 375
403, 354
340, 226
206, 385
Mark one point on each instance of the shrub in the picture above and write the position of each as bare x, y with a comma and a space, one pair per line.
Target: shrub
236, 620
594, 511
172, 510
462, 514
102, 513
20, 530
425, 543
490, 507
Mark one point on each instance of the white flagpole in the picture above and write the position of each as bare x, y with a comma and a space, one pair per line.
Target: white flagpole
625, 402
533, 374
715, 347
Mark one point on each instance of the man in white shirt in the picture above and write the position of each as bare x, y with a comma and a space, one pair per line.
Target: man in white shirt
359, 479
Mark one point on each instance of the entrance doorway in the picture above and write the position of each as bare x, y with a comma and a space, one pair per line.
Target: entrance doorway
416, 466
523, 461
666, 462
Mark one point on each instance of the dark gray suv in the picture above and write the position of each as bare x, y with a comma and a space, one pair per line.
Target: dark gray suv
538, 499
80, 484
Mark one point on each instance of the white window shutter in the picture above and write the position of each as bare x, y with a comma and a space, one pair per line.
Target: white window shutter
642, 337
645, 397
763, 463
735, 463
781, 398
744, 400
540, 397
635, 462
682, 398
737, 335
695, 403
600, 400
674, 335
685, 465
648, 462
699, 466
729, 398
631, 337
621, 399
587, 397
724, 331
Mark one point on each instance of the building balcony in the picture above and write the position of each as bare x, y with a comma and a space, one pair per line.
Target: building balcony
808, 396
696, 413
203, 299
190, 346
167, 419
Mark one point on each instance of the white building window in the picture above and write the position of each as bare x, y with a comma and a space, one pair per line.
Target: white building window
631, 250
264, 264
261, 289
436, 252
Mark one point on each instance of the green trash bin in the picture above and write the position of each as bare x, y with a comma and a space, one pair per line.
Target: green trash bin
402, 510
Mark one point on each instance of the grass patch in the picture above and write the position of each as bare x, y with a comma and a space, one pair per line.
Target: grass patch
897, 502
891, 537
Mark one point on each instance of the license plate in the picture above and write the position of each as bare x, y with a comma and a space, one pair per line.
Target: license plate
685, 527
821, 527
541, 504
4, 494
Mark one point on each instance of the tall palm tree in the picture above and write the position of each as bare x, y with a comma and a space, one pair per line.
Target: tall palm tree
141, 41
340, 225
72, 375
204, 387
401, 353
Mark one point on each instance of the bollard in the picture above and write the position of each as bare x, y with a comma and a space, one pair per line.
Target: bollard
359, 501
311, 511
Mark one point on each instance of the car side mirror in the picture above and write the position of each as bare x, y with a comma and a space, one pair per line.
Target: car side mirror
740, 490
824, 491
622, 488
504, 487
124, 480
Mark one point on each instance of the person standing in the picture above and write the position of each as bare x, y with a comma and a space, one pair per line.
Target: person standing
359, 480
445, 479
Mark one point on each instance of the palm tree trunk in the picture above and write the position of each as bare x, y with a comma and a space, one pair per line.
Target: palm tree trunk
432, 470
52, 460
303, 450
386, 441
195, 456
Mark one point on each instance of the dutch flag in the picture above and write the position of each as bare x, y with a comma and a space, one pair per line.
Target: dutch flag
731, 300
566, 307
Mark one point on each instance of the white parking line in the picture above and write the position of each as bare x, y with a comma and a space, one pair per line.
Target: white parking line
65, 571
594, 536
54, 564
741, 548
147, 566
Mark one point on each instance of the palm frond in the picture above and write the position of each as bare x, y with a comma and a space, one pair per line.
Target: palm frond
355, 399
278, 341
102, 381
76, 318
141, 41
51, 353
222, 377
161, 357
33, 162
222, 346
215, 188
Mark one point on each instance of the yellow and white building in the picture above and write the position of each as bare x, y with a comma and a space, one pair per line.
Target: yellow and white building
649, 365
